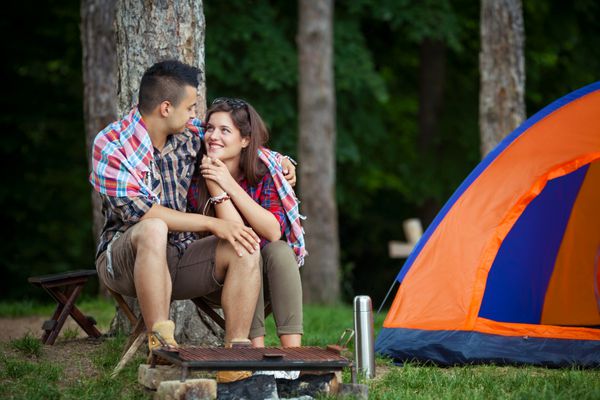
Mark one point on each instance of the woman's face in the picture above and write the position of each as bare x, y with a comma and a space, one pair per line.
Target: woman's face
222, 138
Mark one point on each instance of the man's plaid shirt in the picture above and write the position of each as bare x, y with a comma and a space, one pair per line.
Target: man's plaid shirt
169, 179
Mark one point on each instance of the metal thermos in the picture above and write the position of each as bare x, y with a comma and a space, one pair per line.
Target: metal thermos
364, 349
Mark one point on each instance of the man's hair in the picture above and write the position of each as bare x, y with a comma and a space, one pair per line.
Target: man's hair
165, 80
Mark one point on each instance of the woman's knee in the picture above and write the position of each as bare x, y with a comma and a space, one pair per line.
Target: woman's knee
277, 254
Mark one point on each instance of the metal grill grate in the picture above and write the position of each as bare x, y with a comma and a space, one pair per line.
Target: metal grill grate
298, 354
269, 358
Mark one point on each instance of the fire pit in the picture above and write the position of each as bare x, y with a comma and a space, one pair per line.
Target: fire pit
268, 358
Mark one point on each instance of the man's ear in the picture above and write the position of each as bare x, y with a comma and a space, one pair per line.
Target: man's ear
164, 108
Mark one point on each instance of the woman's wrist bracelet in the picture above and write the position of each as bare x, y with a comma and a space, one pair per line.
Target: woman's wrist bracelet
291, 160
216, 200
220, 198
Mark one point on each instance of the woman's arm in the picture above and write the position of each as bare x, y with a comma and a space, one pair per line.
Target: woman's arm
260, 219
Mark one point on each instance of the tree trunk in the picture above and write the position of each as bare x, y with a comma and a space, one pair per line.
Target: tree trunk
99, 85
147, 32
502, 66
151, 31
321, 277
432, 78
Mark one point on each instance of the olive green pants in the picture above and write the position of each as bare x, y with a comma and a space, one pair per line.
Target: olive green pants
281, 288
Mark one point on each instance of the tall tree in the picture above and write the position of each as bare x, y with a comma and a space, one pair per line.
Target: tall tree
502, 69
147, 32
432, 77
99, 84
316, 150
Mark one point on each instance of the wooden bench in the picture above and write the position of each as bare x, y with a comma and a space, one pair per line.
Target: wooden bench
65, 288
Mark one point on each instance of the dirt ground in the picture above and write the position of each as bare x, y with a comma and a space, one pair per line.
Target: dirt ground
15, 328
72, 353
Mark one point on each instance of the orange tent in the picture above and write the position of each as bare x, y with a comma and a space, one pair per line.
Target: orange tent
508, 272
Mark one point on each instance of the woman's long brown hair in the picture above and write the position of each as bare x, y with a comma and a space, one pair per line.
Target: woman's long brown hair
250, 124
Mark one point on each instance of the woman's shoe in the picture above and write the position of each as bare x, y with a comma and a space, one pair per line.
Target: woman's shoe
234, 376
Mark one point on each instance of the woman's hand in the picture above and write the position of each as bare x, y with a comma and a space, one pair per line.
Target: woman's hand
215, 172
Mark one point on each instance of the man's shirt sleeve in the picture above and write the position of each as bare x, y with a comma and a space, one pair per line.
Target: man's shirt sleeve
129, 209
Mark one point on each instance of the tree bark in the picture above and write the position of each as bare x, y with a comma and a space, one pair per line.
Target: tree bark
99, 82
316, 100
148, 32
502, 68
151, 31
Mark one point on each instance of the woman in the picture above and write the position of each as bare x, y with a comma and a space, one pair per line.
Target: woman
235, 183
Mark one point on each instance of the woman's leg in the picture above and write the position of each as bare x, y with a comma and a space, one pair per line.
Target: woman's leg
282, 287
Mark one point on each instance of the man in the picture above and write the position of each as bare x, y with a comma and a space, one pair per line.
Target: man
142, 166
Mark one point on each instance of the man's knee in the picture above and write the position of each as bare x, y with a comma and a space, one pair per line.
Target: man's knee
151, 233
226, 251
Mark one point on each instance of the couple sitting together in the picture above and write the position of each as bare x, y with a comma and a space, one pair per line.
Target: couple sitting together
198, 210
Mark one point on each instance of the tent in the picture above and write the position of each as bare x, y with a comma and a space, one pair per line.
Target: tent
509, 270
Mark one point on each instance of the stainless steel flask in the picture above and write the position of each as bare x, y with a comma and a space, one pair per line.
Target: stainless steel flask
364, 349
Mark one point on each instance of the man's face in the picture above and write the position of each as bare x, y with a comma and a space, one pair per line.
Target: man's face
184, 111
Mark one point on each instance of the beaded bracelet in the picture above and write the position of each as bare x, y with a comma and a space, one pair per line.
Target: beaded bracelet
216, 200
220, 198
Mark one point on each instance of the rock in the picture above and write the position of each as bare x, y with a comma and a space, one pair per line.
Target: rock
152, 377
308, 385
257, 387
191, 389
355, 390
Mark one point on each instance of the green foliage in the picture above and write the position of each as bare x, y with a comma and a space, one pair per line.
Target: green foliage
45, 194
250, 47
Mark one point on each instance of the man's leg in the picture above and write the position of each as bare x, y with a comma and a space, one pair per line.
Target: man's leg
151, 273
241, 277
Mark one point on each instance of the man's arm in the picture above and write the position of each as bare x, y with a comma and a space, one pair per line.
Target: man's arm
240, 236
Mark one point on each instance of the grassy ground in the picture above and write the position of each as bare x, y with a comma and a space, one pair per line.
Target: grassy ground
80, 368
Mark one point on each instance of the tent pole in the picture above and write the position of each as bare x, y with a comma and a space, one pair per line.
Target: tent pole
386, 296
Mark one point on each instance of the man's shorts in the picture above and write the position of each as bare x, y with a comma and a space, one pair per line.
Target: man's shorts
192, 273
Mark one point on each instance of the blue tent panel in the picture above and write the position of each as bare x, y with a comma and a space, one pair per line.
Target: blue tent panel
517, 282
467, 347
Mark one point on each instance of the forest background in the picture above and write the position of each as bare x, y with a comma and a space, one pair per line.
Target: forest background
384, 172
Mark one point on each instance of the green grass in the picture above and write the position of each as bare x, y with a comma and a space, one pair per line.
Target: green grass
25, 374
28, 345
486, 382
35, 378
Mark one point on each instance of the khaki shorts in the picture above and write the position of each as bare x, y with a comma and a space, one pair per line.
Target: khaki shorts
192, 272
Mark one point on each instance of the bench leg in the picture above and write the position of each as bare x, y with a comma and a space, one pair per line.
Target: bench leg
81, 319
66, 306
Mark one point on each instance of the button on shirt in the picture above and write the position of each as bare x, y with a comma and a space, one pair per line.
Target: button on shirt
169, 178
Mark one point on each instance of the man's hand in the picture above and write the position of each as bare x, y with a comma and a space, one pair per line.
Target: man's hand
241, 237
289, 171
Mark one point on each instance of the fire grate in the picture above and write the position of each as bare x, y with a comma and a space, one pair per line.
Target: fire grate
269, 358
